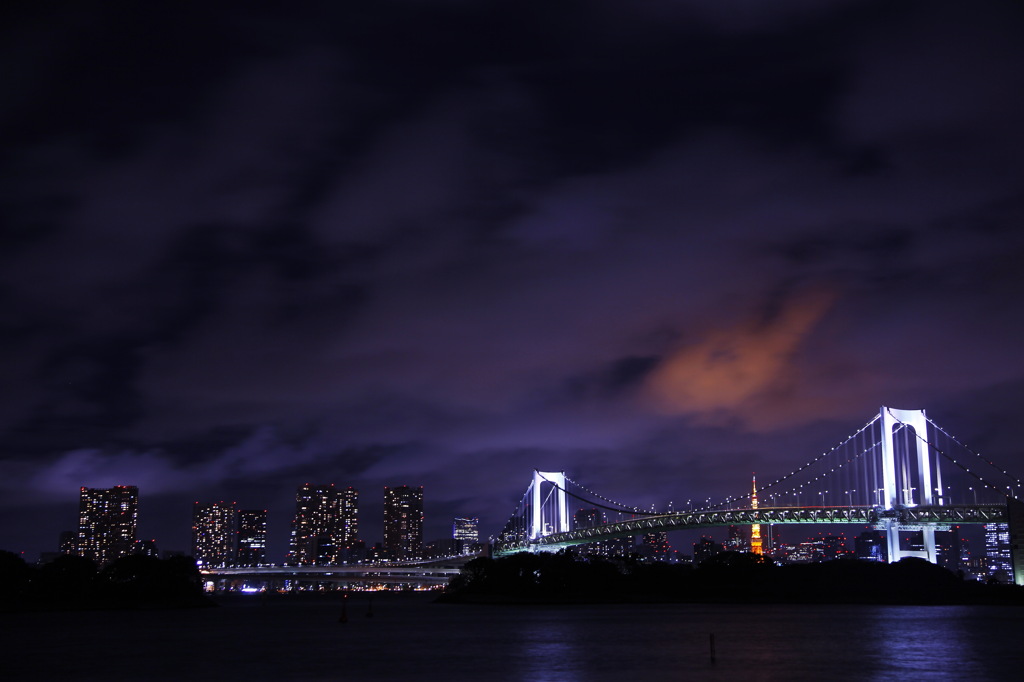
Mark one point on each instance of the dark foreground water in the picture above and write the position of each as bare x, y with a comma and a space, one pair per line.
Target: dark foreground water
410, 638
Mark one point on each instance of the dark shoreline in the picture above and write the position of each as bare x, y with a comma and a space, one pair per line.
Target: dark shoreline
732, 578
73, 583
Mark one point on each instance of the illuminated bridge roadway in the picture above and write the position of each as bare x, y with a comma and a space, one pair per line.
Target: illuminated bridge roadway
433, 572
909, 518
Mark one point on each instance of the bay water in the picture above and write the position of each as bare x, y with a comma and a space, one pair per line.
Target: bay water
409, 637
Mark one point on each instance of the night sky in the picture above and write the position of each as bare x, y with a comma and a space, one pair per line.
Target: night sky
658, 245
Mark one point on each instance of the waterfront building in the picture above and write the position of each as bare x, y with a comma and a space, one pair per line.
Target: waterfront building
466, 533
214, 534
326, 522
252, 538
403, 523
107, 522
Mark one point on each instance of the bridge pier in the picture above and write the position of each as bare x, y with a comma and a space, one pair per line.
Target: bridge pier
895, 548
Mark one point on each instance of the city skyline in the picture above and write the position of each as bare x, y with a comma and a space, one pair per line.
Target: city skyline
225, 536
657, 246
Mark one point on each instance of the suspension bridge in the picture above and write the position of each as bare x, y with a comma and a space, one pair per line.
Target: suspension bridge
900, 473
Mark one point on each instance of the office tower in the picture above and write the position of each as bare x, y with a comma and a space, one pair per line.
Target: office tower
326, 523
213, 533
107, 520
403, 522
252, 538
466, 533
997, 551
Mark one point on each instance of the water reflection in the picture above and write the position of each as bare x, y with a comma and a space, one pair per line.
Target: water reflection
940, 642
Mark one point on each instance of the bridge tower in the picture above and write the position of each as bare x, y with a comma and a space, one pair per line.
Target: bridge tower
907, 477
541, 523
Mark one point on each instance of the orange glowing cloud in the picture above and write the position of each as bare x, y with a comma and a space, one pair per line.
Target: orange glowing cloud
731, 369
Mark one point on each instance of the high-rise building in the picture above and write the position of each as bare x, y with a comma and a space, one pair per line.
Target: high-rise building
403, 522
252, 538
107, 522
214, 529
466, 533
997, 551
348, 522
326, 524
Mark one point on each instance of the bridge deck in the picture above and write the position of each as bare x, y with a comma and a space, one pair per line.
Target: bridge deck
907, 516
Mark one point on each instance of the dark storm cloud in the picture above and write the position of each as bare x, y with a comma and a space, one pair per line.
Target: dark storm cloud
448, 243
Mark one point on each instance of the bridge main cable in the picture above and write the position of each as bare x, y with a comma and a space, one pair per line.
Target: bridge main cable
620, 510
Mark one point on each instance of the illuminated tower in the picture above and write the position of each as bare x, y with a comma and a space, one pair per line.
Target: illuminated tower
403, 522
755, 529
107, 519
213, 533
